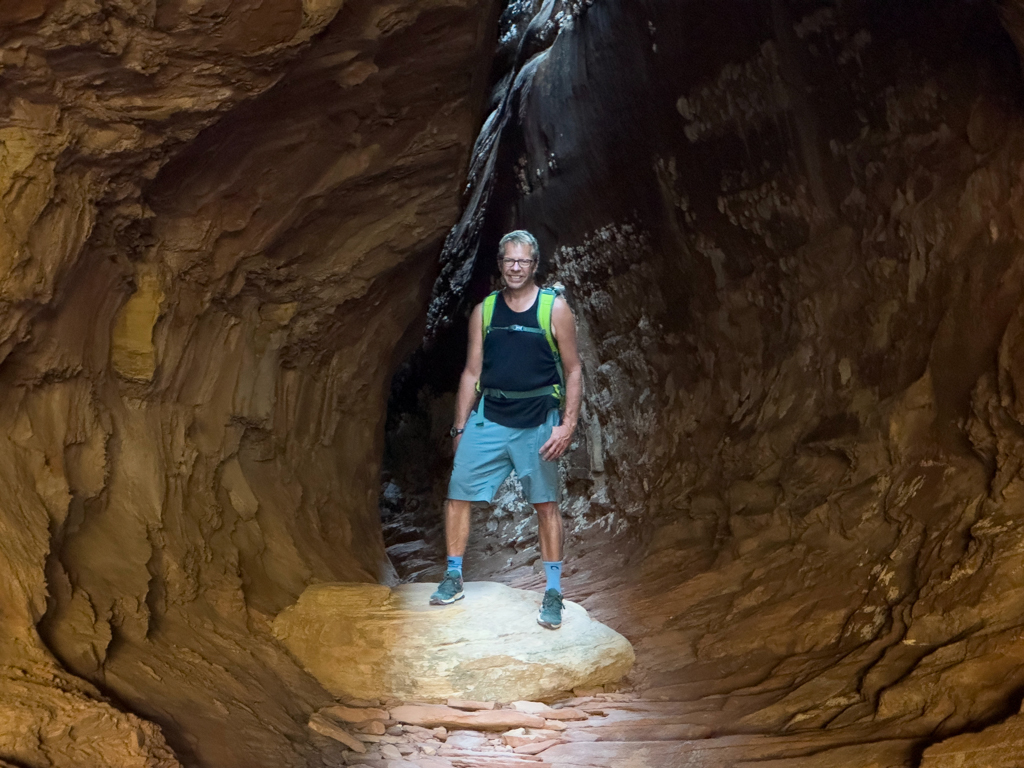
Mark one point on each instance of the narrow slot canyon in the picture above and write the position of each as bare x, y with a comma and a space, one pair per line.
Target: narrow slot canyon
240, 241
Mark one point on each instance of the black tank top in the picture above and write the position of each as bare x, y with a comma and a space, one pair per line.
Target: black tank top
517, 361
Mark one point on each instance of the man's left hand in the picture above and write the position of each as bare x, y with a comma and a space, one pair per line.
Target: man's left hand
557, 444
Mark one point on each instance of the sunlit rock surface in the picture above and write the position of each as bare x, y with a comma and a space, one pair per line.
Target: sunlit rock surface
372, 642
999, 746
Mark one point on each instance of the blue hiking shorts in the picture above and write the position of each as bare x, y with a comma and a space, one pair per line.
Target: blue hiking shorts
488, 453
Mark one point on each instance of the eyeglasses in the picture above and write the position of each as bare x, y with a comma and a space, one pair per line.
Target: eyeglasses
517, 262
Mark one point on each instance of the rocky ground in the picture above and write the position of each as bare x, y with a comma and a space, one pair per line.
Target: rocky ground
610, 730
466, 734
732, 670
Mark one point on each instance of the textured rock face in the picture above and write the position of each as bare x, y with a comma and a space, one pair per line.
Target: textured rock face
792, 234
218, 222
371, 642
793, 241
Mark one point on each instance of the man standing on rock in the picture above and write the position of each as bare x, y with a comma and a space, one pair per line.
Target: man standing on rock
523, 360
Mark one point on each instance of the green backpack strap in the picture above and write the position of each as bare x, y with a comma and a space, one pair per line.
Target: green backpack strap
544, 307
488, 312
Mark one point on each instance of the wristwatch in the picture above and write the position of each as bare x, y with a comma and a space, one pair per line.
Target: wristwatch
456, 431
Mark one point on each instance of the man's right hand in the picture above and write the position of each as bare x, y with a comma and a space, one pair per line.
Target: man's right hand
455, 443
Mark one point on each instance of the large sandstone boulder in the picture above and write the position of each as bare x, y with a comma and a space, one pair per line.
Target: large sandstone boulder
371, 641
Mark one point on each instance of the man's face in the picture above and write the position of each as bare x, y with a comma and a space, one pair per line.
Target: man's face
517, 265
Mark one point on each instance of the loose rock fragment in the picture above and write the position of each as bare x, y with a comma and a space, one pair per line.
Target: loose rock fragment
535, 748
531, 707
520, 738
361, 703
438, 714
466, 740
417, 729
567, 713
355, 714
477, 759
391, 751
472, 705
331, 730
427, 762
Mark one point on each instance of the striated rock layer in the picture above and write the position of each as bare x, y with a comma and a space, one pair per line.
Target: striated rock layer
792, 235
218, 222
371, 642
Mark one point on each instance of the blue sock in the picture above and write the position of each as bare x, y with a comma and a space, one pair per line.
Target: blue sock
554, 574
455, 564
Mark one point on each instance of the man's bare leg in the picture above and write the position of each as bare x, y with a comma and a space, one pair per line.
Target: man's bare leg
456, 527
549, 524
456, 532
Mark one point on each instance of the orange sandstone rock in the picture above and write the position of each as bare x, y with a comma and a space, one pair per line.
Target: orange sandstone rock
435, 715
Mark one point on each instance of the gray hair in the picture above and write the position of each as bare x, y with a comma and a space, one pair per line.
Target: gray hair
520, 237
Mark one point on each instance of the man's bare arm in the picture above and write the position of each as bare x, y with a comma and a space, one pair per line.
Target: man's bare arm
471, 373
563, 328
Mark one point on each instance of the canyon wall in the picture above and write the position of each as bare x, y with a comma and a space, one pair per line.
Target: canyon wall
219, 222
791, 232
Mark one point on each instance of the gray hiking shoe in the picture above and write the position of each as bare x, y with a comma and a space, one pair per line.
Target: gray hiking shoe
550, 616
449, 590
